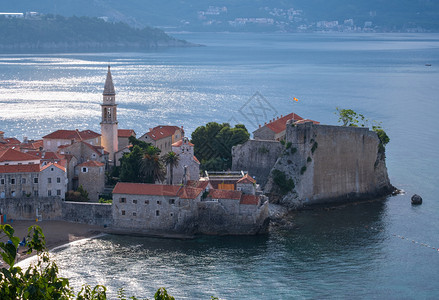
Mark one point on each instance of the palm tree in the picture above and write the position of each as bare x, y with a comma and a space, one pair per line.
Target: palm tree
171, 159
152, 167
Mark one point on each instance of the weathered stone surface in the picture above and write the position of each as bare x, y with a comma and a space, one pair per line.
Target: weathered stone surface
257, 157
326, 163
416, 199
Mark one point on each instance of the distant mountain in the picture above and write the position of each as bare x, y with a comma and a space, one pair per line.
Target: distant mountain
58, 32
255, 15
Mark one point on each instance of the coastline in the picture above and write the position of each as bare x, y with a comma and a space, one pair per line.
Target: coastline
57, 233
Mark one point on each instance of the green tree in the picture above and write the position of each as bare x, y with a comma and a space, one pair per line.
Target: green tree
41, 280
213, 144
130, 165
152, 168
171, 159
348, 117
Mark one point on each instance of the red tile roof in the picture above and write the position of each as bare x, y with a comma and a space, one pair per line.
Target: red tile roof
306, 121
54, 165
72, 135
180, 142
162, 131
92, 163
125, 133
45, 155
196, 160
34, 168
198, 184
157, 190
249, 200
12, 141
246, 179
14, 155
225, 194
279, 125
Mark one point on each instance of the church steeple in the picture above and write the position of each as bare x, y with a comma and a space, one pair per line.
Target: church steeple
109, 118
109, 87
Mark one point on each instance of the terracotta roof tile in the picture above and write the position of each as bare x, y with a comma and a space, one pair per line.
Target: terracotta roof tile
225, 194
198, 184
156, 190
34, 168
125, 133
279, 125
72, 135
14, 155
91, 163
12, 141
306, 121
246, 179
162, 131
180, 142
249, 200
54, 165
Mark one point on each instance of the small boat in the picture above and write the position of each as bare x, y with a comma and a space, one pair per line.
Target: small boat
428, 65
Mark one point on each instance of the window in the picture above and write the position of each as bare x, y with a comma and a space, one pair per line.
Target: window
23, 180
2, 181
36, 193
171, 201
49, 180
172, 214
134, 201
123, 213
13, 193
146, 201
159, 202
134, 214
84, 170
58, 192
157, 213
49, 193
58, 180
36, 180
12, 180
52, 169
122, 200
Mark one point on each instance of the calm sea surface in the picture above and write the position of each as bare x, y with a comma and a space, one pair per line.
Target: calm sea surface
380, 249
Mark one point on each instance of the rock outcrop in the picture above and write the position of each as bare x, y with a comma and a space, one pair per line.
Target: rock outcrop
324, 164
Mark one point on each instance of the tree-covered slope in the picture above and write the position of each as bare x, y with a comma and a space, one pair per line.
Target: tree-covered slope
73, 32
185, 14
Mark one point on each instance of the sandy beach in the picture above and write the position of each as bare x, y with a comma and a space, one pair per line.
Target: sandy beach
57, 233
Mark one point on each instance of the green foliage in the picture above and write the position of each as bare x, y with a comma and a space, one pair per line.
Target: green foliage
41, 280
142, 164
293, 150
383, 137
288, 145
314, 147
213, 144
80, 195
263, 150
76, 30
171, 159
282, 142
309, 159
302, 170
348, 117
103, 200
280, 179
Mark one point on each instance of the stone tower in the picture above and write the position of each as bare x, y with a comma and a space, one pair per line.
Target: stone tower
109, 119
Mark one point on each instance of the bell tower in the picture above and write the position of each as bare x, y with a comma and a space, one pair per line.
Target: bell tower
109, 119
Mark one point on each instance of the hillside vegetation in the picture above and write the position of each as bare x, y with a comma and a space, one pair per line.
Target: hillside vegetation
196, 15
50, 31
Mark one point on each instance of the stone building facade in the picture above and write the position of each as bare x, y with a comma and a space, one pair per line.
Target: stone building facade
163, 137
53, 181
91, 175
188, 167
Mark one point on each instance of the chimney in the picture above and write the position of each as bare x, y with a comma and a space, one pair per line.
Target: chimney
25, 141
259, 125
277, 118
265, 123
281, 116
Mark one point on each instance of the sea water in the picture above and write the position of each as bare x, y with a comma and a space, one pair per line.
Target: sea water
380, 249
